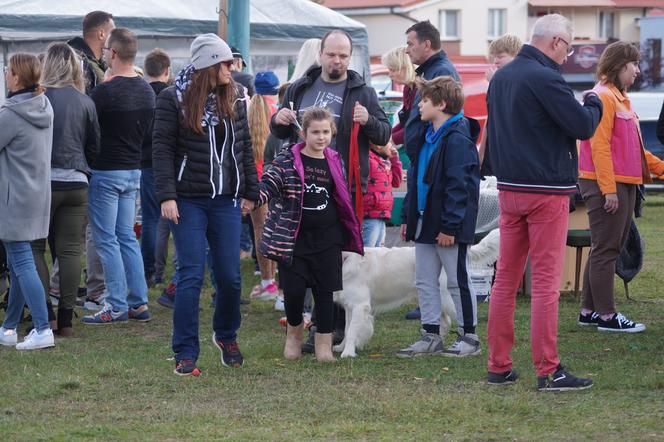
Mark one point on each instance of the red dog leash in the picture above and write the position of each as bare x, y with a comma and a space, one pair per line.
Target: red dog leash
354, 170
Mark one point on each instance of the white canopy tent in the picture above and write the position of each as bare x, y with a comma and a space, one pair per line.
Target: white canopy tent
278, 27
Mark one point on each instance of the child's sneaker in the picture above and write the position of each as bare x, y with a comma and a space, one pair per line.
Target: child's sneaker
93, 305
465, 345
619, 323
186, 367
428, 344
140, 313
36, 340
279, 304
504, 378
8, 337
166, 300
54, 296
106, 316
562, 381
588, 320
230, 352
267, 293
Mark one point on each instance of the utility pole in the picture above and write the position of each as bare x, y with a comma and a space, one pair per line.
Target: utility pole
222, 27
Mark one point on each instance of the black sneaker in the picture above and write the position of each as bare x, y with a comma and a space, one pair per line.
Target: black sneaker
586, 320
561, 380
619, 323
504, 378
230, 353
309, 346
186, 367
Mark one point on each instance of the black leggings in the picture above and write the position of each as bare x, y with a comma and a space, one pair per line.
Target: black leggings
295, 287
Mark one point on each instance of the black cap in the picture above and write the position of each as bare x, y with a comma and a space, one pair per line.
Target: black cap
237, 54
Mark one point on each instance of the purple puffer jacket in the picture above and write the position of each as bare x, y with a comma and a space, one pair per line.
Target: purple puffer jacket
282, 185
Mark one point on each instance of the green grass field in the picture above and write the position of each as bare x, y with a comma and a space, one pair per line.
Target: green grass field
116, 382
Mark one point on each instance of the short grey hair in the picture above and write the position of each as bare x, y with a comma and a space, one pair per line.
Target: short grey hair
552, 24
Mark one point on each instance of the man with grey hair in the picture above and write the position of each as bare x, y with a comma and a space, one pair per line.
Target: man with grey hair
534, 122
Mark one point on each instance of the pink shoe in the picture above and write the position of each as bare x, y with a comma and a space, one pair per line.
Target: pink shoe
268, 293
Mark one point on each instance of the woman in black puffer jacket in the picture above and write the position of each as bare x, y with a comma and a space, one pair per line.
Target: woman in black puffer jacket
204, 173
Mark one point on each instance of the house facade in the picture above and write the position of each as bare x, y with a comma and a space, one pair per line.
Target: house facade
468, 26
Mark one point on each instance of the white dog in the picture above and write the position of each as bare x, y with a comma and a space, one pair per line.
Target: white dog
384, 279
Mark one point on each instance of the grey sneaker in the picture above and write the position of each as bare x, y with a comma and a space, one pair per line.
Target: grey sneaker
465, 345
428, 344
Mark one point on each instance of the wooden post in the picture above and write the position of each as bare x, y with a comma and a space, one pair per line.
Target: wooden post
222, 28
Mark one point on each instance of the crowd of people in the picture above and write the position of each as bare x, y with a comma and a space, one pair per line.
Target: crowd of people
306, 169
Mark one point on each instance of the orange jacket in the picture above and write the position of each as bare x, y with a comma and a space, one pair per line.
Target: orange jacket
615, 154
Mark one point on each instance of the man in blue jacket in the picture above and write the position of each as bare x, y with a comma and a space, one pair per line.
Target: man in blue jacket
534, 122
424, 48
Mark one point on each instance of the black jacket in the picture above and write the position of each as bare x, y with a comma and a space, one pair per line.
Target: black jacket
534, 122
75, 129
187, 165
377, 129
453, 175
146, 151
246, 80
436, 66
93, 68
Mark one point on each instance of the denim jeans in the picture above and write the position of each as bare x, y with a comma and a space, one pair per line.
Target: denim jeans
150, 214
217, 222
373, 232
112, 209
25, 288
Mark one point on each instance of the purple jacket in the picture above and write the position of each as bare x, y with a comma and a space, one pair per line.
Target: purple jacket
283, 186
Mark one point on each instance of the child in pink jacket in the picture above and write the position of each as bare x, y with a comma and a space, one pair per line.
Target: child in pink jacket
384, 173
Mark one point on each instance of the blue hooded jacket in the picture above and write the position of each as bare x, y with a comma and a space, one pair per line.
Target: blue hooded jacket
453, 178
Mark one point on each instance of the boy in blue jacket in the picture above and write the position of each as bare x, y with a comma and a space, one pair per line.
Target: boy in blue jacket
439, 214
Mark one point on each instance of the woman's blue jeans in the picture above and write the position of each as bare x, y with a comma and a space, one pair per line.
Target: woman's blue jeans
25, 288
216, 222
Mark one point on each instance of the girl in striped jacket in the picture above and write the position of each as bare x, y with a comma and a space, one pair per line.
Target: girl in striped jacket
310, 221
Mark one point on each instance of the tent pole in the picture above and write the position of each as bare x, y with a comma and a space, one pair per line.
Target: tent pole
222, 28
238, 28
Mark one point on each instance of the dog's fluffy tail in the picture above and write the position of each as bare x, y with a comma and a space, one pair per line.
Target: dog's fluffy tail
486, 252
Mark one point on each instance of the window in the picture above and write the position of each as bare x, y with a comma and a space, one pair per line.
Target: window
496, 22
606, 29
449, 24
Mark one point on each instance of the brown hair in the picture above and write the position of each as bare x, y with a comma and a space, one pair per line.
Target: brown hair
441, 89
336, 31
259, 128
613, 59
282, 91
506, 44
156, 62
318, 114
196, 95
124, 43
28, 69
426, 31
94, 20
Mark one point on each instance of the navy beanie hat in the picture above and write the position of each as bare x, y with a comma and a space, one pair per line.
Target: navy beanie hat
266, 83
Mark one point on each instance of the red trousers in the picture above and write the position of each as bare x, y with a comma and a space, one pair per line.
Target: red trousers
535, 225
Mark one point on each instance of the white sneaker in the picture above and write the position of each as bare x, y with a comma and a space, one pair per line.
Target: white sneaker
279, 304
8, 337
465, 345
36, 340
